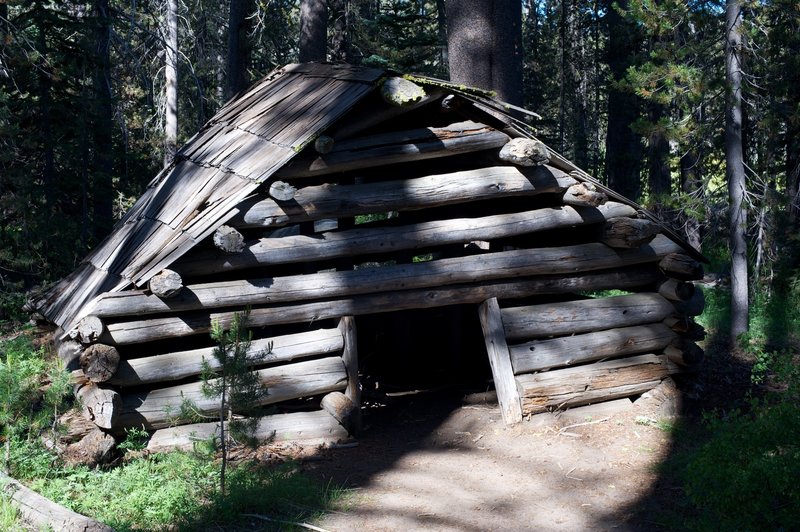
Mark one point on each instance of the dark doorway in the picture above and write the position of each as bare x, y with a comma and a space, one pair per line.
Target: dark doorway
434, 349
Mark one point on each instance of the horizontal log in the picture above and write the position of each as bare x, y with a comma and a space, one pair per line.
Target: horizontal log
681, 266
628, 233
43, 514
131, 332
469, 269
305, 427
160, 408
574, 317
303, 248
342, 201
592, 383
397, 147
581, 348
174, 366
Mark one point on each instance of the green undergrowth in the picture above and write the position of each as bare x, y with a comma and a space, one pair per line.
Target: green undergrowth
174, 491
737, 467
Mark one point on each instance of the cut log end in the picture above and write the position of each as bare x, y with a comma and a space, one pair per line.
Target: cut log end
629, 233
99, 362
228, 239
282, 191
100, 405
88, 330
525, 152
340, 407
584, 195
165, 284
681, 266
324, 144
675, 290
401, 92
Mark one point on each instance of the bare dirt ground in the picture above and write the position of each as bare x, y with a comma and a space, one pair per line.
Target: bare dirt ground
432, 463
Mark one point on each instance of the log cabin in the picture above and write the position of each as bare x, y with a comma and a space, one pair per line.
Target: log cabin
374, 225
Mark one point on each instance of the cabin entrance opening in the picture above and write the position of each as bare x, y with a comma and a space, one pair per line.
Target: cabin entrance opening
438, 350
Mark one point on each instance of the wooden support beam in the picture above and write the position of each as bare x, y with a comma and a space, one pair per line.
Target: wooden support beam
626, 233
302, 427
145, 330
43, 514
592, 383
342, 201
183, 364
469, 269
575, 317
347, 328
160, 408
353, 242
499, 360
580, 348
396, 147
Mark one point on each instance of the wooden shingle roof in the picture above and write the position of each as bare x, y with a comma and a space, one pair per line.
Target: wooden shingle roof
241, 147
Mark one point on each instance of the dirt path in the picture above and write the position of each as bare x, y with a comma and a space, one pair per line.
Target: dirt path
433, 464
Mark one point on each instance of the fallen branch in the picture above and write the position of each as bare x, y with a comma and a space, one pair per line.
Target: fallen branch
293, 523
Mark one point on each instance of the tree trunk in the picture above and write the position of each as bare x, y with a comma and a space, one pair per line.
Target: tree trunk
238, 57
340, 38
623, 147
734, 158
171, 75
313, 30
691, 184
658, 156
102, 188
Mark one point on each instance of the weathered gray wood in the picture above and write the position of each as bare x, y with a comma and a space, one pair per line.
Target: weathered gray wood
584, 195
693, 306
347, 328
574, 317
99, 362
628, 233
160, 408
228, 239
591, 383
99, 405
341, 201
681, 266
131, 332
282, 191
92, 450
73, 425
165, 284
42, 513
397, 147
401, 92
183, 364
469, 269
525, 152
500, 362
352, 242
580, 348
303, 427
675, 290
88, 330
69, 352
340, 407
366, 117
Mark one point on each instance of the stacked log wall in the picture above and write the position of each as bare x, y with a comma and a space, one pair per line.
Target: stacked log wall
364, 228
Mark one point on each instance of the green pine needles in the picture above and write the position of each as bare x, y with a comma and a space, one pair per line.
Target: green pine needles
237, 387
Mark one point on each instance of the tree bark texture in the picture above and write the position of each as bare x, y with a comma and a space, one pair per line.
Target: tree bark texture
238, 57
734, 159
171, 75
313, 42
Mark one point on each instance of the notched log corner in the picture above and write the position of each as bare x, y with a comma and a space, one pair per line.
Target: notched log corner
584, 195
525, 152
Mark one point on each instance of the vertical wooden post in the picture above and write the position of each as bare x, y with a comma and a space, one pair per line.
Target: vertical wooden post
500, 360
347, 325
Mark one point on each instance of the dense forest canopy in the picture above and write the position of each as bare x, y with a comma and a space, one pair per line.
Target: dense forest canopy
94, 94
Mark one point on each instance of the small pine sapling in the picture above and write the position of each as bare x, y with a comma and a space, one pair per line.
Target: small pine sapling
232, 381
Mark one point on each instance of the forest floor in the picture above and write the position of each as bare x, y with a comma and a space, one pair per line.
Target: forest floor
430, 462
